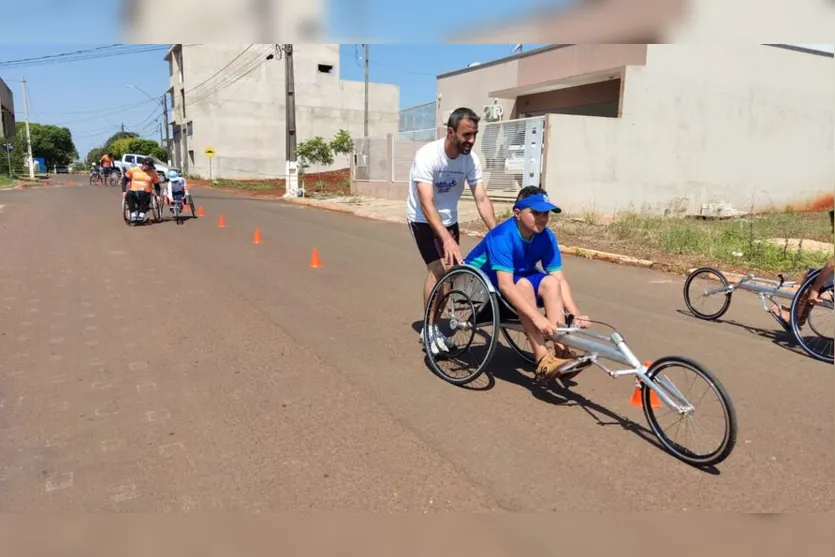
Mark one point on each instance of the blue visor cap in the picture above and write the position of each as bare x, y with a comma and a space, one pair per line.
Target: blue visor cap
538, 202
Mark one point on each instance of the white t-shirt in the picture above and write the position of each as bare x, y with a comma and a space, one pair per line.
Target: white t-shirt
433, 166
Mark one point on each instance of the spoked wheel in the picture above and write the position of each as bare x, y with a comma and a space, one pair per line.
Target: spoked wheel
518, 341
96, 180
126, 211
813, 325
157, 208
697, 388
707, 286
459, 307
191, 207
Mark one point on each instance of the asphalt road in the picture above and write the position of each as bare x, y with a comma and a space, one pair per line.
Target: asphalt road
182, 368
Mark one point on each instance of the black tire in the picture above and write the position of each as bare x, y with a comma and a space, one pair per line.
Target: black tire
157, 208
96, 180
487, 316
729, 440
825, 355
724, 281
125, 212
524, 354
191, 206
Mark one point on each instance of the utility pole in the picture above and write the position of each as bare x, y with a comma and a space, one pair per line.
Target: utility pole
365, 126
123, 127
291, 171
167, 144
28, 136
160, 134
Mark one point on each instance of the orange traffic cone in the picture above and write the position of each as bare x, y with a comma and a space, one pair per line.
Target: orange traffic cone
220, 222
314, 259
256, 238
637, 400
200, 212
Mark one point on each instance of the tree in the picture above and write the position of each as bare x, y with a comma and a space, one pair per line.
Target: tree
52, 143
315, 151
117, 136
342, 144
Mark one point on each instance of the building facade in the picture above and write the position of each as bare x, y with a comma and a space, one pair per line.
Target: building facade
232, 98
7, 119
662, 128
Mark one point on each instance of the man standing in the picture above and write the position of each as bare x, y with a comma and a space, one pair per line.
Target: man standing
436, 182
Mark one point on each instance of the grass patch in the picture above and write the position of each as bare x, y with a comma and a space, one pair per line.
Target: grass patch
760, 242
255, 185
5, 181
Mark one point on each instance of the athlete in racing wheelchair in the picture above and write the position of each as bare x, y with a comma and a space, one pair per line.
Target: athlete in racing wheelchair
508, 256
142, 180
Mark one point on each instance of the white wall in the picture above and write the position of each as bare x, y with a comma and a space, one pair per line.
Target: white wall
245, 121
703, 124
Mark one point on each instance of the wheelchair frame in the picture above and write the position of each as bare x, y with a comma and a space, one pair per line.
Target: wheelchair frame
766, 290
595, 347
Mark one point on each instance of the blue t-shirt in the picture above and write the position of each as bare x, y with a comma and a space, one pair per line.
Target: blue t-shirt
504, 249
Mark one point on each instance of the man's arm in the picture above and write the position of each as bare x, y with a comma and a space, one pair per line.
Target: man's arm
427, 205
475, 178
125, 179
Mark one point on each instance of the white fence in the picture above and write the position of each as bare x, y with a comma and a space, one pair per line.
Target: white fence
510, 152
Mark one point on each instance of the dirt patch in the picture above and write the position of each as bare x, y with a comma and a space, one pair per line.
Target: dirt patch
320, 185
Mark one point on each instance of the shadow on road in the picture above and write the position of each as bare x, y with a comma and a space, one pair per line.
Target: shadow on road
779, 337
504, 365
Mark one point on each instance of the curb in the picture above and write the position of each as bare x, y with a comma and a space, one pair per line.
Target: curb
570, 250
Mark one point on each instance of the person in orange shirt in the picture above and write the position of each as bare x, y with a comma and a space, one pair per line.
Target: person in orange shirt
106, 164
142, 181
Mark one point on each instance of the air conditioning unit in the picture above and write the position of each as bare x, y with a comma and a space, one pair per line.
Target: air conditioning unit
492, 112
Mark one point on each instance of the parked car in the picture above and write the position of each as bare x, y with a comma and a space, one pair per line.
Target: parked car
129, 160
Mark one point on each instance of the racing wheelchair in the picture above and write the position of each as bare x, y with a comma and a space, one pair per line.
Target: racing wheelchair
155, 209
817, 341
465, 305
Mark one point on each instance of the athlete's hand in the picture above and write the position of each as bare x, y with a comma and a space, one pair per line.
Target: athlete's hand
582, 321
452, 252
544, 325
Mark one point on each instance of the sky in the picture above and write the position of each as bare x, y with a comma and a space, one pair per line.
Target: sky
92, 98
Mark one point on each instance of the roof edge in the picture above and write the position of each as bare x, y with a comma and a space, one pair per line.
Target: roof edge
503, 60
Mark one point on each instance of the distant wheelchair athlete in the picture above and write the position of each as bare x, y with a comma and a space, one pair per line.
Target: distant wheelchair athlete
139, 198
177, 192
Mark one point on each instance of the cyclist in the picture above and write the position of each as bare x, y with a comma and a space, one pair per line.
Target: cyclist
143, 179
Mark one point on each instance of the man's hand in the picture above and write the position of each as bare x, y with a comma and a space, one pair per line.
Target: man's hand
452, 251
124, 193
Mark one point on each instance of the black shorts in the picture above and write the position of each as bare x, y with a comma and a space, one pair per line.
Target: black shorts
430, 246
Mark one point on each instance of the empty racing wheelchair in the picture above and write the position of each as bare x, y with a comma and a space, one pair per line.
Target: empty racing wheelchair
810, 324
155, 209
465, 308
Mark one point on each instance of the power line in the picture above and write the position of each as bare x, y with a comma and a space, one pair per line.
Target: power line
220, 70
89, 54
239, 73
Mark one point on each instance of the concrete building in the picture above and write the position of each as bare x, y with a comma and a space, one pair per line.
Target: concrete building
652, 127
7, 120
232, 98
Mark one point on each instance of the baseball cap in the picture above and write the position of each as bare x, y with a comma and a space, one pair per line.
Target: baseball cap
538, 202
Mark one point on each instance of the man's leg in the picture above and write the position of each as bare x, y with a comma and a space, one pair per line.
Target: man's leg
144, 202
550, 292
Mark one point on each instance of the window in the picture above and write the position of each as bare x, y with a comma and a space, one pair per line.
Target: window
325, 68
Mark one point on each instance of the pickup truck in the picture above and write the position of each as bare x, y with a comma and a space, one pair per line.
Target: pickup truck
129, 160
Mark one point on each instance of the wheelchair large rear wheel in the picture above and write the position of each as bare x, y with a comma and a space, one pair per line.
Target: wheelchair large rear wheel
815, 334
459, 308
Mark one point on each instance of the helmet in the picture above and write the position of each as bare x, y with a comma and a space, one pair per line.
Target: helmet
173, 175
